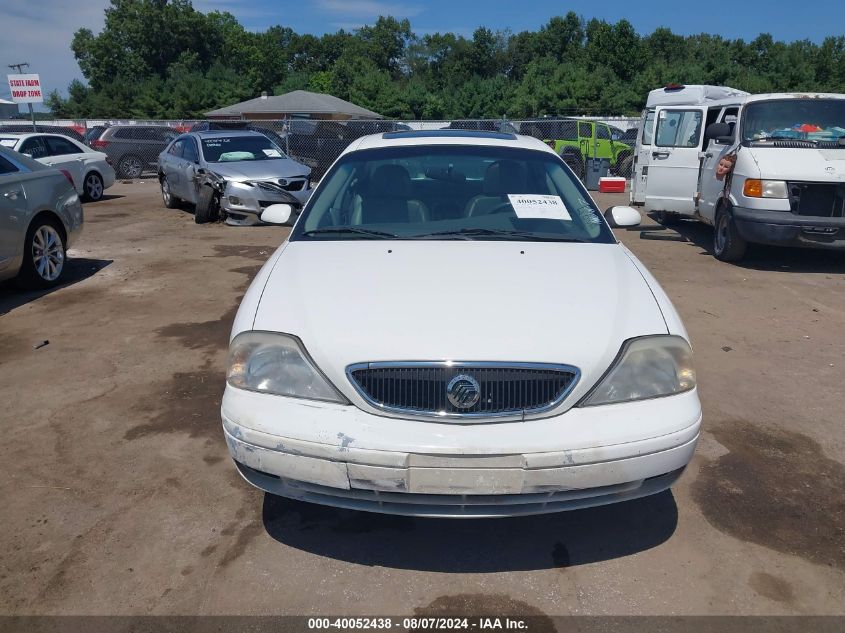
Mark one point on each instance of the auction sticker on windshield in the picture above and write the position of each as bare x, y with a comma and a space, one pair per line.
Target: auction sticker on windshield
539, 206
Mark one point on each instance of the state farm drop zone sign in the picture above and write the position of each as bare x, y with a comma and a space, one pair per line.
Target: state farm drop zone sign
25, 88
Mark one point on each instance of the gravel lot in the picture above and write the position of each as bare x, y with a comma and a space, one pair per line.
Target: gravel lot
118, 495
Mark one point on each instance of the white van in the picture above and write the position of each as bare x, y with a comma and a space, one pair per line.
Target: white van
785, 180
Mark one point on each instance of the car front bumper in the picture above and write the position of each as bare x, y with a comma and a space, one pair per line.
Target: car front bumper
243, 205
342, 456
783, 228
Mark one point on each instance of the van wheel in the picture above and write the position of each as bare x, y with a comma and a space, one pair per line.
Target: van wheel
667, 217
728, 244
208, 205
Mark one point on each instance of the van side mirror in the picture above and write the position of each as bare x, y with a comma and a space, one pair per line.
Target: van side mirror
720, 132
277, 214
622, 217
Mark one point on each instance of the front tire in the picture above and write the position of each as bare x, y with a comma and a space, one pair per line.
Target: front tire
208, 205
92, 187
45, 254
728, 244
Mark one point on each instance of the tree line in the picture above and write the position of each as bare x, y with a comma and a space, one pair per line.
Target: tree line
164, 59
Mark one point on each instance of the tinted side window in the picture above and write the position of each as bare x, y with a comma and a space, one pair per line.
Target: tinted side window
149, 134
584, 130
34, 147
124, 132
602, 132
59, 146
678, 128
190, 150
6, 167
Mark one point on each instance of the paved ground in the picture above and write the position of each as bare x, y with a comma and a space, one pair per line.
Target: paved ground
118, 496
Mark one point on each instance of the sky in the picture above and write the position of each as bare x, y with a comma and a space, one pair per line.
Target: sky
40, 32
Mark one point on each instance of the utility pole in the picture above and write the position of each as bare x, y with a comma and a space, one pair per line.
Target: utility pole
20, 68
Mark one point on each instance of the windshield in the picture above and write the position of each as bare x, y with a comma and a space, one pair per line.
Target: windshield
818, 120
221, 149
448, 192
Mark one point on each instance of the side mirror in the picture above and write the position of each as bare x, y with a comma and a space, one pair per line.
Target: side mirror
720, 132
277, 214
622, 217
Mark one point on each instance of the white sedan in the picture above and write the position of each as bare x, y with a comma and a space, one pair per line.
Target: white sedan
91, 171
452, 330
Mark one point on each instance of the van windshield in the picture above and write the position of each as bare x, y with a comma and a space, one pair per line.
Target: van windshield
815, 120
447, 192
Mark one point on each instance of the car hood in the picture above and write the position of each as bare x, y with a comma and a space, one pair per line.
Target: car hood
803, 164
259, 169
364, 300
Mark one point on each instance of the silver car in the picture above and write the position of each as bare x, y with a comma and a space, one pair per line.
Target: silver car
40, 218
235, 174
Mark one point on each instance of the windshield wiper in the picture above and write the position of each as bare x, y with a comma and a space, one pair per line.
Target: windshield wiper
350, 229
789, 138
469, 234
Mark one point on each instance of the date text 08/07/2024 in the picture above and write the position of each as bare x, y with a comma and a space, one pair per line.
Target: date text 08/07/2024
416, 623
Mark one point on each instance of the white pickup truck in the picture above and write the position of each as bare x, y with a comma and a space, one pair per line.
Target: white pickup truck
766, 168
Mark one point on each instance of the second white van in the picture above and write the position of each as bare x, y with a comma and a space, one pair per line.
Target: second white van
766, 168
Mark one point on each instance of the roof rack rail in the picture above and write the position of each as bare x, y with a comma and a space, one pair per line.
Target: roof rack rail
442, 133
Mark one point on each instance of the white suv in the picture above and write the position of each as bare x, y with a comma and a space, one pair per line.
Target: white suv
453, 330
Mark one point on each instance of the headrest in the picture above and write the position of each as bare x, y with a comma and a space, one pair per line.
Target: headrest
390, 181
505, 176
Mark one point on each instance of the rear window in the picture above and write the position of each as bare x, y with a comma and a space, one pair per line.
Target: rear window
59, 146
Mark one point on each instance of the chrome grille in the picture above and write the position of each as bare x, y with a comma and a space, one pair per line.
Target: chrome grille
274, 187
270, 186
510, 390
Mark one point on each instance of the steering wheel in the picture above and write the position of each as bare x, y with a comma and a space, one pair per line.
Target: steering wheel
500, 208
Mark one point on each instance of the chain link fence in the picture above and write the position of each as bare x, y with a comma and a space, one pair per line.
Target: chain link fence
134, 146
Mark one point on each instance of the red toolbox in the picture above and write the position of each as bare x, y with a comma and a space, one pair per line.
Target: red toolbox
612, 184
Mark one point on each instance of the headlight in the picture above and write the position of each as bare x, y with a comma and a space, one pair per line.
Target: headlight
277, 363
647, 367
754, 188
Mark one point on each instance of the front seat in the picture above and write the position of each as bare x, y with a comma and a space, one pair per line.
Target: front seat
500, 179
387, 198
